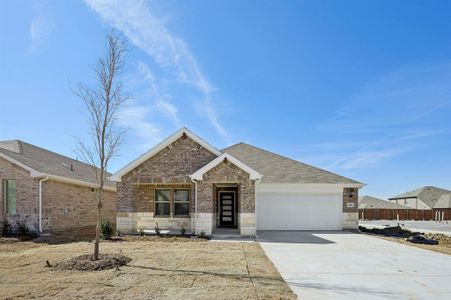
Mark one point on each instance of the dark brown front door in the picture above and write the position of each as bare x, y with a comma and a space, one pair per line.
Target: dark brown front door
227, 209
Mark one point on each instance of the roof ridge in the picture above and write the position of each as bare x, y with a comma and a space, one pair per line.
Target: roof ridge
293, 160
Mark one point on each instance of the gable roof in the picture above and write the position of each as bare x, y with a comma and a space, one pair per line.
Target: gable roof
166, 142
276, 168
429, 195
444, 201
372, 202
198, 175
42, 162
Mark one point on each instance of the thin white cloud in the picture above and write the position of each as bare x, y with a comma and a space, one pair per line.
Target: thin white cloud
396, 114
135, 19
135, 117
41, 25
158, 95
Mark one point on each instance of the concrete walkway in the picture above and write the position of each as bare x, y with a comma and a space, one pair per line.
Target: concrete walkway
342, 265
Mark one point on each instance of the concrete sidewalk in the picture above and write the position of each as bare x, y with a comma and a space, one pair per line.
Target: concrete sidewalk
342, 265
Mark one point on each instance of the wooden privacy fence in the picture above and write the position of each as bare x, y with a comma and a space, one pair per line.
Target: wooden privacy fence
445, 213
391, 214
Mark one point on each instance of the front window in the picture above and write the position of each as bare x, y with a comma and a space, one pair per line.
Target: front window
163, 203
9, 191
181, 202
172, 202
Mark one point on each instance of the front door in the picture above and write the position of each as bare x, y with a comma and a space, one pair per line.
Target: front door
227, 209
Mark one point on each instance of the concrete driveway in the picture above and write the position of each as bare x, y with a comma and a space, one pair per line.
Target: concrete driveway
342, 265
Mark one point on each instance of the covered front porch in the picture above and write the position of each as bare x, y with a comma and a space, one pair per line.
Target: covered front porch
225, 197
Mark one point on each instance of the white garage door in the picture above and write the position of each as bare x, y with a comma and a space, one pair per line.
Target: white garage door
299, 212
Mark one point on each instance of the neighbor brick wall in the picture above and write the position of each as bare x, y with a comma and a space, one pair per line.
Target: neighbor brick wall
226, 172
173, 164
350, 195
79, 202
27, 194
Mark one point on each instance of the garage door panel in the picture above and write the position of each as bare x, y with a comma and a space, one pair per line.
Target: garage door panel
299, 212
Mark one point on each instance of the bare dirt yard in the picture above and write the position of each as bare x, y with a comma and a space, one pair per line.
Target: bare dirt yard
161, 268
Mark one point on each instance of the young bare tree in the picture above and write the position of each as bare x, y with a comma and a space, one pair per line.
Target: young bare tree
102, 103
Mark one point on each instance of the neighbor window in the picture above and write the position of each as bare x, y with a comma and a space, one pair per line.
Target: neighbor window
172, 202
9, 194
163, 202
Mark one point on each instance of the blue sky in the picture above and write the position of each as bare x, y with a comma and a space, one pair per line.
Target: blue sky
361, 88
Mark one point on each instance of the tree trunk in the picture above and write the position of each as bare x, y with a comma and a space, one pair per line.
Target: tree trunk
99, 220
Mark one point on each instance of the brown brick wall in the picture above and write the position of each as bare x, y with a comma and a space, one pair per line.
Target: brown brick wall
27, 194
68, 206
350, 195
171, 165
226, 172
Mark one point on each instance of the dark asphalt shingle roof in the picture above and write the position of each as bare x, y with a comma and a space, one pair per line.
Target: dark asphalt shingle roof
45, 161
276, 168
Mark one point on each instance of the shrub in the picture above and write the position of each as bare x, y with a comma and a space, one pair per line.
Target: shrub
22, 228
183, 230
141, 231
157, 229
6, 228
118, 232
202, 234
106, 229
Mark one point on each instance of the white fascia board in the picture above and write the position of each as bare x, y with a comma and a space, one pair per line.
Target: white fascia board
76, 182
33, 172
304, 188
118, 175
198, 175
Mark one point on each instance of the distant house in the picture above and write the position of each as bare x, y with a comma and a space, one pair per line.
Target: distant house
442, 208
371, 208
47, 190
423, 198
368, 202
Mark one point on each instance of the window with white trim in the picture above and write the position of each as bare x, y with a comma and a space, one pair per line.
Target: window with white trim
172, 202
181, 202
163, 202
10, 195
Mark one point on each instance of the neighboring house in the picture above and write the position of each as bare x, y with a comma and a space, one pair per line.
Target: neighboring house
368, 202
186, 182
423, 198
371, 208
47, 190
442, 208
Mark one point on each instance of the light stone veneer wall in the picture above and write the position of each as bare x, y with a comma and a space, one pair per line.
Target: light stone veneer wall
350, 221
247, 224
204, 223
133, 222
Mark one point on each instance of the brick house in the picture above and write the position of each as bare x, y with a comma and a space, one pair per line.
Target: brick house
49, 191
186, 182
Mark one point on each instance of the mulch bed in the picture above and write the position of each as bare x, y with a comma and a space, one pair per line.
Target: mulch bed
85, 262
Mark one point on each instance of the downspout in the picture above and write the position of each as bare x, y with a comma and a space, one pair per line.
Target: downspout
40, 202
195, 204
255, 212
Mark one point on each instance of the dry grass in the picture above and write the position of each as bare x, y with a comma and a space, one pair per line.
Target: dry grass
174, 268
